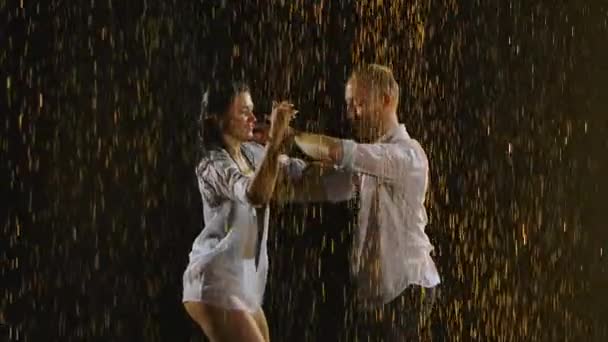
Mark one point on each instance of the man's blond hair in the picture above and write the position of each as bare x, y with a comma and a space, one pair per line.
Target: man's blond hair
378, 78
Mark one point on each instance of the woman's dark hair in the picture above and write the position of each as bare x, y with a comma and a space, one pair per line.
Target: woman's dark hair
215, 104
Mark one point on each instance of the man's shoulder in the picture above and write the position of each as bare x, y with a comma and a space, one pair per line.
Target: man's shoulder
413, 149
407, 141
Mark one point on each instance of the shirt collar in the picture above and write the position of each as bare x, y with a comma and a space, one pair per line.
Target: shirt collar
223, 153
398, 132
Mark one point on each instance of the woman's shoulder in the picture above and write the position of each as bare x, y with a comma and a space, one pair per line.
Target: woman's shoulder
218, 160
213, 162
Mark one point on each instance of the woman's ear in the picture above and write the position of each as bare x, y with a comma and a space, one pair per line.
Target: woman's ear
221, 122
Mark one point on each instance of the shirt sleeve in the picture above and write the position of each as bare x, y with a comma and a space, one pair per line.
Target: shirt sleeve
293, 167
224, 181
389, 161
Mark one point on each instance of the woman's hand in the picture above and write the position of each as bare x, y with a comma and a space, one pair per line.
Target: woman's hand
282, 114
262, 185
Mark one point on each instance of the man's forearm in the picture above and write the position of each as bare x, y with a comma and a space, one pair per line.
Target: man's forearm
384, 160
320, 147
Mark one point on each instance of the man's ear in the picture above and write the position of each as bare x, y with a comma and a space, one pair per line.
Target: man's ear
387, 99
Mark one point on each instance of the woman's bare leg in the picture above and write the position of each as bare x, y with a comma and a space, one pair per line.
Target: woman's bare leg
260, 320
222, 325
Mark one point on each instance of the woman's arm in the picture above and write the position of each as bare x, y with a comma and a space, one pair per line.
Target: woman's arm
261, 187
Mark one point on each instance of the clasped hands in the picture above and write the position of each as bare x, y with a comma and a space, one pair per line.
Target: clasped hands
325, 150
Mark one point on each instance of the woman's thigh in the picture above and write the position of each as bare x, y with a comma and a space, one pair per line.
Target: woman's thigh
224, 325
260, 320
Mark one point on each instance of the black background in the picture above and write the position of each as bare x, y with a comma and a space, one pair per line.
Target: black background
100, 205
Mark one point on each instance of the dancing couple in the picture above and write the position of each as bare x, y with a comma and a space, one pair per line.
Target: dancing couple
393, 272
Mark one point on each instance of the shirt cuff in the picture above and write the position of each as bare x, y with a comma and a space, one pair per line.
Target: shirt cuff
348, 153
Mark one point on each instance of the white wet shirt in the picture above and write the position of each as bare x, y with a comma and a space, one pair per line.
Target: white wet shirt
228, 263
392, 177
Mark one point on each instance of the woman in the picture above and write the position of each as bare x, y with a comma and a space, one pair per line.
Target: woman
225, 278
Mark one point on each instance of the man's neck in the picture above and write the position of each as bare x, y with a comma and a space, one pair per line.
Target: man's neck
388, 124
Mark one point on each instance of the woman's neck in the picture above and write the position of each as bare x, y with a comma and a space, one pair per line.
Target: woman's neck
233, 146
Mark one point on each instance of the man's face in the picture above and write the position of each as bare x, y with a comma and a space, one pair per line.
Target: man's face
363, 108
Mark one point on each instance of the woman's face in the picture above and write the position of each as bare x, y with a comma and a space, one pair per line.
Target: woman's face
240, 120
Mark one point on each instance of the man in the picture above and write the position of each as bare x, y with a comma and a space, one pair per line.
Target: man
391, 264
